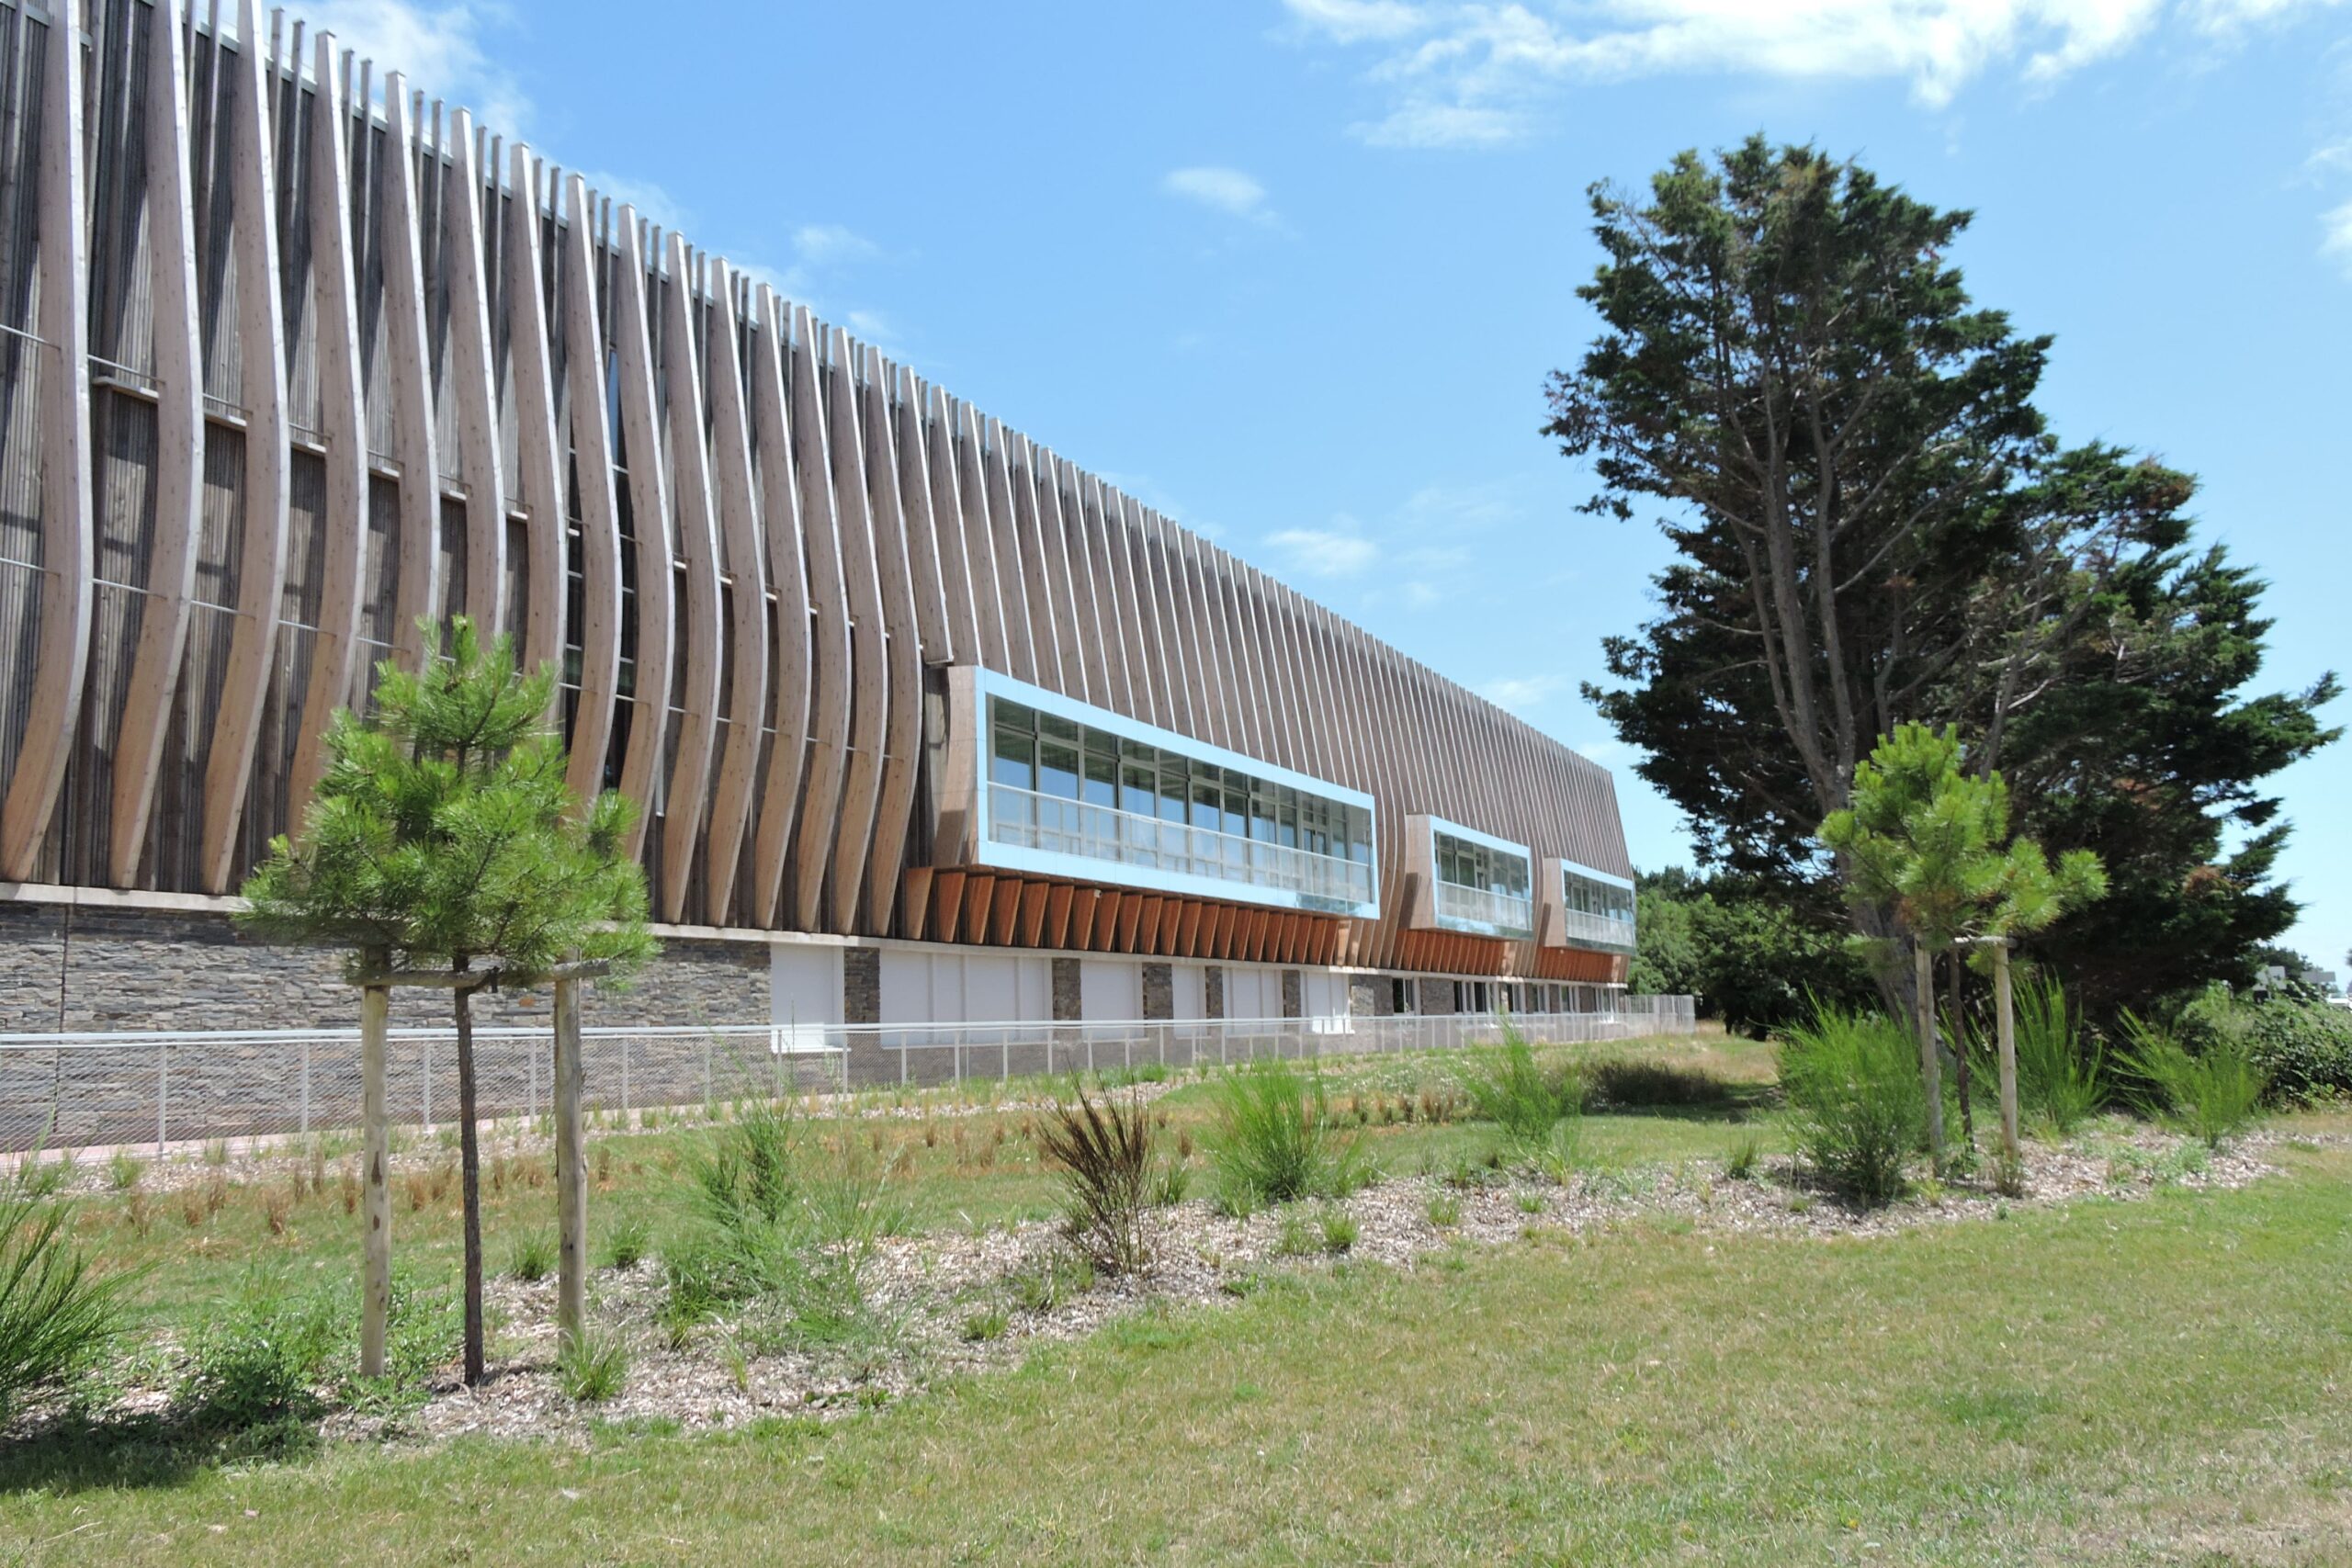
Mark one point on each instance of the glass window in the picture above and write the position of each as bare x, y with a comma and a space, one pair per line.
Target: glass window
1102, 769
1138, 779
1175, 783
1016, 749
1058, 768
1206, 794
1236, 804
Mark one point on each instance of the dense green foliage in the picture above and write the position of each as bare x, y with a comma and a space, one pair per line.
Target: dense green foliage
2302, 1048
1525, 1098
1859, 1109
2061, 1081
1873, 526
1754, 953
2211, 1093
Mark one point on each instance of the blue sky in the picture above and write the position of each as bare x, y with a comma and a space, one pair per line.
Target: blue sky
1294, 272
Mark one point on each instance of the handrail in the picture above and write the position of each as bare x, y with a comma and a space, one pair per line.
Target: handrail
1060, 825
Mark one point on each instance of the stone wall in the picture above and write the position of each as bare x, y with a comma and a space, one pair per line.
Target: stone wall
1066, 1005
1158, 990
121, 969
862, 984
1294, 988
1213, 991
1363, 997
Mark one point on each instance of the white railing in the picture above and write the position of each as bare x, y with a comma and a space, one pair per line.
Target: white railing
1063, 826
160, 1090
1597, 931
1499, 911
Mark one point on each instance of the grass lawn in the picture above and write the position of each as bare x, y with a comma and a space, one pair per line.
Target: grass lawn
2160, 1380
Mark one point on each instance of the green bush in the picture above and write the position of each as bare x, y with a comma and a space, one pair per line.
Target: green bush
1273, 1142
1508, 1086
2305, 1049
2060, 1068
1623, 1083
56, 1313
266, 1354
629, 1241
531, 1259
1852, 1081
2209, 1094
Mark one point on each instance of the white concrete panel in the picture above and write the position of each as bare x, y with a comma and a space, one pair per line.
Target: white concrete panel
1192, 991
1110, 990
907, 986
991, 987
804, 983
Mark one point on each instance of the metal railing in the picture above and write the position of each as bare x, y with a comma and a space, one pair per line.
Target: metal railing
1063, 826
1598, 931
1499, 911
160, 1090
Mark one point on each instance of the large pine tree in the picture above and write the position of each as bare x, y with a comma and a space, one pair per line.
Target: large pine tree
1873, 526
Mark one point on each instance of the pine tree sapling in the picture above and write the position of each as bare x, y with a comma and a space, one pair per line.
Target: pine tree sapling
443, 837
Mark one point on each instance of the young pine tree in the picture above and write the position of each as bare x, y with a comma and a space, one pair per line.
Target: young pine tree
443, 838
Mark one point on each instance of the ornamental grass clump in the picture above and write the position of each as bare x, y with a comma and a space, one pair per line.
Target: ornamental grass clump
1275, 1143
56, 1313
1852, 1081
2060, 1069
1105, 1149
2209, 1094
1508, 1086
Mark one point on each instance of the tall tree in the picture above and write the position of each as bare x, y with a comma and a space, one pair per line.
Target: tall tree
1873, 525
443, 837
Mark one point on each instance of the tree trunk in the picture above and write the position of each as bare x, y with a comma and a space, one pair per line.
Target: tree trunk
2004, 1024
1930, 1070
469, 1175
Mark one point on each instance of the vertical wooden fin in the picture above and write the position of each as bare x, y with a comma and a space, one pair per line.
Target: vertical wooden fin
538, 453
179, 440
697, 552
869, 661
828, 604
656, 597
747, 567
789, 580
410, 372
599, 503
60, 660
474, 385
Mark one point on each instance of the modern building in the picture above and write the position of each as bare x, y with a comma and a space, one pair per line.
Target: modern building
927, 722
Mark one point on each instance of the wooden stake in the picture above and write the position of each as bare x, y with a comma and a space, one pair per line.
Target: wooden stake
1930, 1069
2004, 1024
376, 1272
570, 1167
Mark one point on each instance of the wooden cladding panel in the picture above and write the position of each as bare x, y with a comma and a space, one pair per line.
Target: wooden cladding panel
747, 537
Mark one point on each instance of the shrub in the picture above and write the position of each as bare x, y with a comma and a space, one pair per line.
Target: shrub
1508, 1086
1745, 1154
2059, 1071
1273, 1143
531, 1259
592, 1366
56, 1314
1852, 1079
2209, 1094
265, 1355
2305, 1049
627, 1242
1105, 1149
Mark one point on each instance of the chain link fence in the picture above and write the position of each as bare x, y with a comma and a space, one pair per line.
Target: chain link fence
158, 1089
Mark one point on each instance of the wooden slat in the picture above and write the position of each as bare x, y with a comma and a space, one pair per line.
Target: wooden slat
829, 713
1029, 653
946, 905
787, 578
1007, 911
1188, 928
655, 597
260, 558
1033, 913
943, 510
538, 458
1059, 901
179, 434
915, 901
929, 576
342, 428
696, 551
869, 661
1146, 936
966, 481
747, 619
980, 897
896, 594
472, 376
408, 374
60, 657
598, 499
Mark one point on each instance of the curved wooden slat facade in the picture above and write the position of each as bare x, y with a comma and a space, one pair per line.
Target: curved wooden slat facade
759, 551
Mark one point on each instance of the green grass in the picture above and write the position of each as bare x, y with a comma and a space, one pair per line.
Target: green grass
2112, 1382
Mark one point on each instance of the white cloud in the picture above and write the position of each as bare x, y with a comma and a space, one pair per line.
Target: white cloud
1478, 73
2337, 240
1323, 552
830, 245
438, 48
1520, 692
653, 204
1228, 190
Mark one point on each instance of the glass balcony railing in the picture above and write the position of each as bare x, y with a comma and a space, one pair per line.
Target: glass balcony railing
1580, 929
1062, 826
1482, 908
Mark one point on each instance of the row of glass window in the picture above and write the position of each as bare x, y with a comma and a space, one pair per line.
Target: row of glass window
1056, 756
1589, 896
1464, 863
